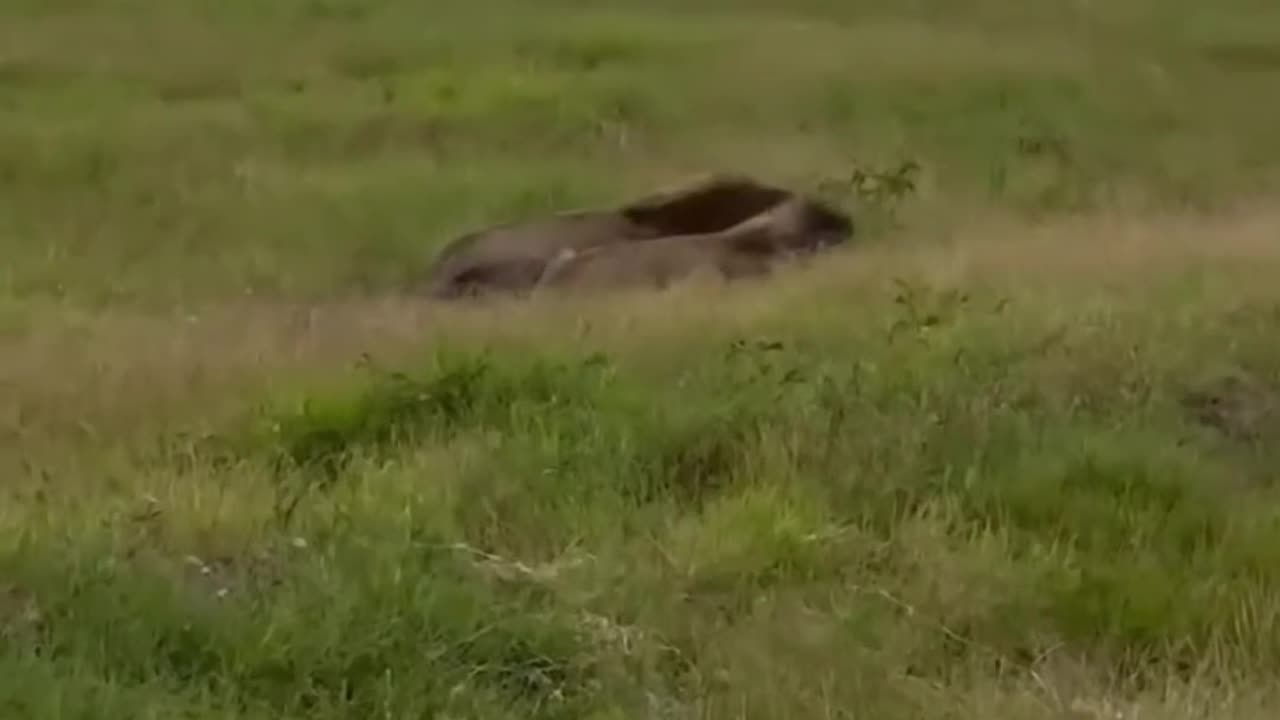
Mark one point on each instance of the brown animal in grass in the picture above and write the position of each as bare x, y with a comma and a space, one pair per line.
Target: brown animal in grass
749, 249
510, 258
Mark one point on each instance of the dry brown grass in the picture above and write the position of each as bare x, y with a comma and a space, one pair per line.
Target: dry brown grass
118, 368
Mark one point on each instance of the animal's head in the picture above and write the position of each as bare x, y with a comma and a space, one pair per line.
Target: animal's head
802, 225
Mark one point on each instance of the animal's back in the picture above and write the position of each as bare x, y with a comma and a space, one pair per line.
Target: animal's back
530, 242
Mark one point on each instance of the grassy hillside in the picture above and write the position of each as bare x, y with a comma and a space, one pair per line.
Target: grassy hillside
1012, 456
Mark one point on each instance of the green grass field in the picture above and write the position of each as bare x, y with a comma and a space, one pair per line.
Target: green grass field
1011, 455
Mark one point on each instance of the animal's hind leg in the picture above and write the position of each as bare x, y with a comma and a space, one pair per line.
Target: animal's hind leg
554, 269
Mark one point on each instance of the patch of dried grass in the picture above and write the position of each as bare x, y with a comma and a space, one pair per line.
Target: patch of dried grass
113, 369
